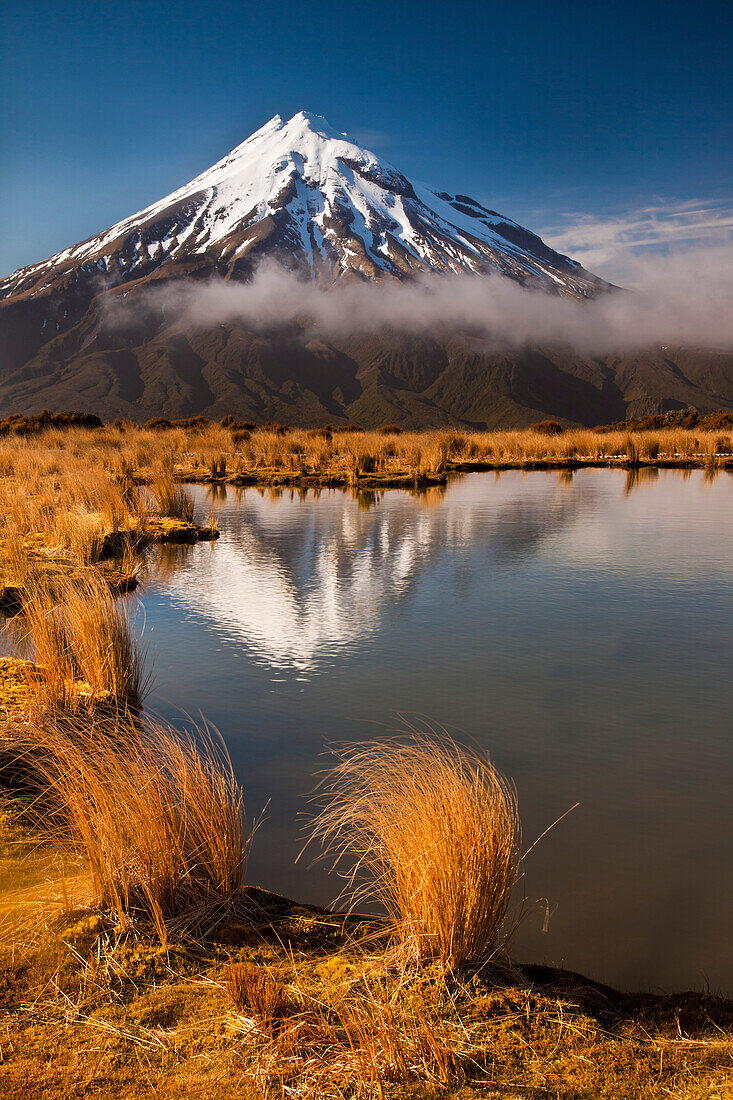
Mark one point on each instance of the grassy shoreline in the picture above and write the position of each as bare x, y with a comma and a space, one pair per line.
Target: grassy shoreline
136, 960
212, 453
76, 497
280, 1000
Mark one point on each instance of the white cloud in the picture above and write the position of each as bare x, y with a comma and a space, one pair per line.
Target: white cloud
609, 246
677, 258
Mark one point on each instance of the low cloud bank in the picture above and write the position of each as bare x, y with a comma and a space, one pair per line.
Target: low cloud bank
683, 298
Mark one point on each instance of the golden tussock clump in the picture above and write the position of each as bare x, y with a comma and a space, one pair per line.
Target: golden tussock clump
84, 643
435, 828
171, 497
156, 813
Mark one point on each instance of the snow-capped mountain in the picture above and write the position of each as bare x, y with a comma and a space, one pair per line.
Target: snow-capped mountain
317, 201
75, 332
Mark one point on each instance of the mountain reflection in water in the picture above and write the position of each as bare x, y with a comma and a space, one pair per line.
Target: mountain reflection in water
300, 589
577, 627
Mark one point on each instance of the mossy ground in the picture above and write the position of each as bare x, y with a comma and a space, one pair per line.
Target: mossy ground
168, 529
45, 563
87, 1010
16, 686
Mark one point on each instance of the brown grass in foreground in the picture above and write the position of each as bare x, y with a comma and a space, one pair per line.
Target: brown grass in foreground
436, 829
88, 1010
265, 999
156, 814
84, 644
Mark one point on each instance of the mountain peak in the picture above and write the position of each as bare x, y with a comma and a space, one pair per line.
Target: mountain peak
319, 202
298, 127
314, 122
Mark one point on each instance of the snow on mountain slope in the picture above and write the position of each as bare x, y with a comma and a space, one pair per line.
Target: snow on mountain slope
319, 203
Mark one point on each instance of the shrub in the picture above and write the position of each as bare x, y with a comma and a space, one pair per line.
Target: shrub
547, 427
16, 424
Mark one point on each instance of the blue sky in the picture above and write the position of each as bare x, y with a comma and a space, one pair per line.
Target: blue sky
607, 120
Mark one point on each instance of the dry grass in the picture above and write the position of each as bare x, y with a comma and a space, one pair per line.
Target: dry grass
67, 491
156, 814
85, 644
435, 827
172, 499
256, 991
392, 1042
99, 471
369, 1032
357, 1039
15, 561
91, 1008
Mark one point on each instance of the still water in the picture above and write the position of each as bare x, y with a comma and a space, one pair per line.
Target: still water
578, 627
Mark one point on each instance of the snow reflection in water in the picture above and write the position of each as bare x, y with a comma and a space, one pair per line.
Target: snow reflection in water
578, 627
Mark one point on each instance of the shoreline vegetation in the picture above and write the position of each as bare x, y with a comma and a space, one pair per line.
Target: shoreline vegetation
242, 453
135, 958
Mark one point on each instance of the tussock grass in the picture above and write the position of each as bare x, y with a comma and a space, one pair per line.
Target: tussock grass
436, 829
257, 991
156, 813
171, 497
314, 1012
85, 644
62, 499
80, 532
15, 564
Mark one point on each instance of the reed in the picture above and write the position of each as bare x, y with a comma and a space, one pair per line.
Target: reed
435, 828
